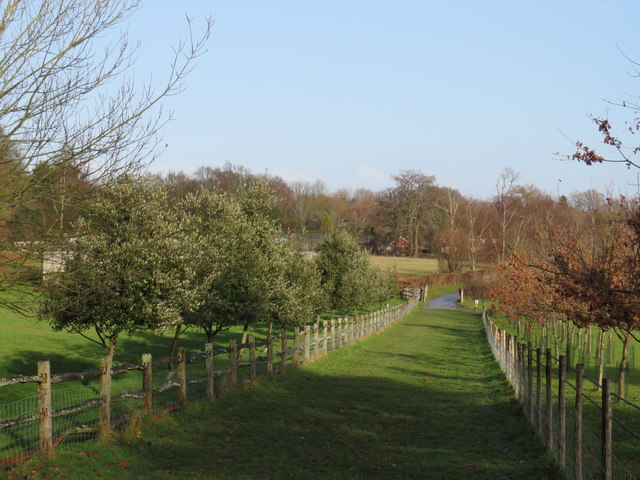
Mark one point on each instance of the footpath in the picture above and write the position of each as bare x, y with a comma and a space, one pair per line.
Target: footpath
422, 400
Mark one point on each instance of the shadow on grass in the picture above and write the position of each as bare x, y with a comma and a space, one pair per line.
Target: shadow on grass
306, 425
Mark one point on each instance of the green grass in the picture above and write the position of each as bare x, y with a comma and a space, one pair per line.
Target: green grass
424, 399
405, 265
26, 340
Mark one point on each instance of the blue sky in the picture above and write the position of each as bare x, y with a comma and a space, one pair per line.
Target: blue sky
352, 92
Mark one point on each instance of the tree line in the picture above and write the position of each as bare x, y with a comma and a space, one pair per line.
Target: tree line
139, 261
583, 269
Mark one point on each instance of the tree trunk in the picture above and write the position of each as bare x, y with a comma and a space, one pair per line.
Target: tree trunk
245, 334
106, 364
555, 340
173, 349
623, 364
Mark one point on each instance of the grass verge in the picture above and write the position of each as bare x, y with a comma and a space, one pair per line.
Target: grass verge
424, 399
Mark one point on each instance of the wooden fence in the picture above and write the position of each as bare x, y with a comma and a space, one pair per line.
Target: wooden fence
240, 363
542, 386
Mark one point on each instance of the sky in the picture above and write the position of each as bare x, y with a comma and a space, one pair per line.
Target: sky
353, 92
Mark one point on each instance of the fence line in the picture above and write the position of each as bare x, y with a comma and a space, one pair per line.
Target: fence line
62, 415
579, 438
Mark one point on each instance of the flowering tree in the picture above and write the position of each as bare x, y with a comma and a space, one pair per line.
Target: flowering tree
124, 268
346, 275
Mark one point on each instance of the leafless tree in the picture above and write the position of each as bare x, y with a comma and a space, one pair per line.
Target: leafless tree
67, 97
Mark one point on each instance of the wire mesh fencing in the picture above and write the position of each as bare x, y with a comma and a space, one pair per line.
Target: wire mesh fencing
573, 415
70, 409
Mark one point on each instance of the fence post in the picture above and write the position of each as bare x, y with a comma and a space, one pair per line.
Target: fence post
269, 354
505, 346
325, 337
233, 363
538, 391
333, 334
577, 431
307, 343
252, 358
530, 401
316, 338
104, 414
147, 383
208, 366
44, 408
522, 376
296, 346
283, 351
549, 401
182, 376
607, 441
562, 414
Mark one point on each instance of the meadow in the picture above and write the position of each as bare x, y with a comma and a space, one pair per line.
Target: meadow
405, 265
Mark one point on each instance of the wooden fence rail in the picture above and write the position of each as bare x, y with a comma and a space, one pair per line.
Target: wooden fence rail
305, 345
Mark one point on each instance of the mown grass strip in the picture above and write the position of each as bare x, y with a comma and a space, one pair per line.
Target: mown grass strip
422, 400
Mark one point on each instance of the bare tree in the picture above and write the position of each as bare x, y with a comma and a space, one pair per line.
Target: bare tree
67, 99
409, 205
477, 223
505, 209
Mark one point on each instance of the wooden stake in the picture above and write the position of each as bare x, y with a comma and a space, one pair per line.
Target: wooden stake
562, 414
307, 343
147, 383
296, 346
549, 396
577, 429
283, 351
44, 408
607, 441
182, 377
539, 390
333, 334
530, 402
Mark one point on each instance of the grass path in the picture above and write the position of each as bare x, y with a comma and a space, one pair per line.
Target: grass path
423, 400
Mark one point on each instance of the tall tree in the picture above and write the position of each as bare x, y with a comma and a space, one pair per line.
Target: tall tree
409, 206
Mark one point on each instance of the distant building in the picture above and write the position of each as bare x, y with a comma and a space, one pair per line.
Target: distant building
399, 245
53, 261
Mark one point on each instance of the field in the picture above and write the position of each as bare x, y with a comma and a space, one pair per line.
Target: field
25, 341
412, 402
405, 265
